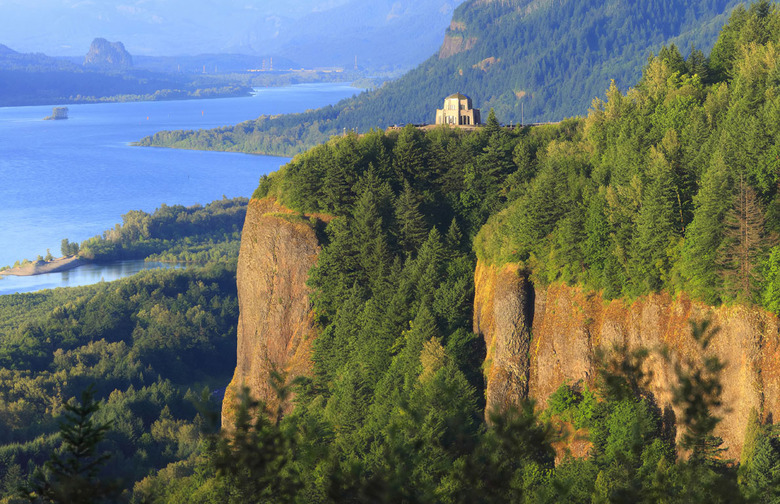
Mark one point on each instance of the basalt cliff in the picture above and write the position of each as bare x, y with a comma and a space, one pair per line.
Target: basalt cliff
536, 338
276, 324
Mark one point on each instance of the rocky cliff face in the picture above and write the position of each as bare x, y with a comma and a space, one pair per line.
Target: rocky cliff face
108, 55
455, 41
537, 340
275, 325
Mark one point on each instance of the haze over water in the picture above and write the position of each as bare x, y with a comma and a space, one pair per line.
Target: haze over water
75, 178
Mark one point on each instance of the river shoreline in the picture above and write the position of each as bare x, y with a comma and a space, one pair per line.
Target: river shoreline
43, 267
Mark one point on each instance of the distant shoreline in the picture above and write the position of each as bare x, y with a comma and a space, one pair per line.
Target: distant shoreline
43, 267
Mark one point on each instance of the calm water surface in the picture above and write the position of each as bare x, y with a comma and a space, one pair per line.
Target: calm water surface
83, 275
74, 179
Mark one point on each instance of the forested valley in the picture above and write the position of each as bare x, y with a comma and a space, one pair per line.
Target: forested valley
155, 351
668, 186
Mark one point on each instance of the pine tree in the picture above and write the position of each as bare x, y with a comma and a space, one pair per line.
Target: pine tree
454, 236
74, 474
697, 64
492, 127
596, 245
761, 479
370, 237
671, 56
409, 157
655, 228
412, 229
705, 233
337, 188
745, 241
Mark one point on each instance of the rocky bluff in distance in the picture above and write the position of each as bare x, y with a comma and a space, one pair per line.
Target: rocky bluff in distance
105, 55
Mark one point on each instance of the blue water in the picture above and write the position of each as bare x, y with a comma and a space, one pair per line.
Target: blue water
75, 178
83, 275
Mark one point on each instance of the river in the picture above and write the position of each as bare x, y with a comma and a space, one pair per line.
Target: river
75, 178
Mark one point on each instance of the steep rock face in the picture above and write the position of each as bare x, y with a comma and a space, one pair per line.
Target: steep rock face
108, 55
455, 41
563, 327
275, 325
501, 315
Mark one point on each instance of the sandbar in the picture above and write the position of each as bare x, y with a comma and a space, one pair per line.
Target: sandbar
41, 267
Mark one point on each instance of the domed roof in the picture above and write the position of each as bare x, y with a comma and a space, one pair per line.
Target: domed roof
459, 96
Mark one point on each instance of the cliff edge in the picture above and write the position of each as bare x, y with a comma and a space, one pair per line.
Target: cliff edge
275, 324
539, 339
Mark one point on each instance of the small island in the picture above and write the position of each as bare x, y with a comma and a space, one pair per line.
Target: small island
57, 114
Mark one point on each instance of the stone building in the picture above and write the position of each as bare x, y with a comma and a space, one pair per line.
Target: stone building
458, 111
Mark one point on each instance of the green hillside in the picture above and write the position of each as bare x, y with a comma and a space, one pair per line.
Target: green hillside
668, 187
548, 59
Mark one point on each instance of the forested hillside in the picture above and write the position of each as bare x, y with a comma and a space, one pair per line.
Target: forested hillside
669, 186
149, 346
672, 185
547, 58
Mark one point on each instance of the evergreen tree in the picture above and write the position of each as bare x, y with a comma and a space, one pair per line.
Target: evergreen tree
336, 188
409, 158
761, 474
454, 236
744, 242
492, 127
74, 474
697, 64
650, 262
412, 229
671, 56
596, 244
705, 233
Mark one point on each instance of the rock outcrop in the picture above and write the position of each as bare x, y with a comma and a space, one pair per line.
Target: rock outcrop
539, 339
502, 317
58, 114
276, 323
107, 55
455, 41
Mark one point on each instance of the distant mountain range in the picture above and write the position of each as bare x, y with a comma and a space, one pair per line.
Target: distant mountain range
106, 73
383, 34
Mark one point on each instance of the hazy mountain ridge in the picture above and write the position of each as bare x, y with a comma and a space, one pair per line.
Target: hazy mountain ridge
383, 33
531, 61
106, 74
